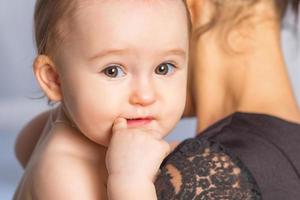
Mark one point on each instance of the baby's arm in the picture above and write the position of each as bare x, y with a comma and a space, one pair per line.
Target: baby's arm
133, 159
29, 136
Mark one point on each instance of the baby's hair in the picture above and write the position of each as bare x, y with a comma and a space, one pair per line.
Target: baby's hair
49, 18
49, 21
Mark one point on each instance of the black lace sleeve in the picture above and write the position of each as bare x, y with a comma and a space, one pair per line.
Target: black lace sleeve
203, 170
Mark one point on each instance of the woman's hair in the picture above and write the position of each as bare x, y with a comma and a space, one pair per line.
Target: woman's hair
49, 21
229, 13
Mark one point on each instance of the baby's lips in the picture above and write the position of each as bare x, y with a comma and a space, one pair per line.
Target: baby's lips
144, 123
139, 121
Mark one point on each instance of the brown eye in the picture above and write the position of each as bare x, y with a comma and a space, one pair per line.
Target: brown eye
164, 69
114, 71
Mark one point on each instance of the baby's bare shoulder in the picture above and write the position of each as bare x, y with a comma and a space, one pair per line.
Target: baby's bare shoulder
69, 177
66, 166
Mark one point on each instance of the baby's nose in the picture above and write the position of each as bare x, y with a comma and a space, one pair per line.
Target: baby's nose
143, 93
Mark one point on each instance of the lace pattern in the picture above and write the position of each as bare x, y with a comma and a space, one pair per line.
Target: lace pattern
199, 169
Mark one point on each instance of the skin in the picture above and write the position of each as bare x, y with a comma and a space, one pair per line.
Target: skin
138, 92
113, 120
29, 136
235, 83
253, 80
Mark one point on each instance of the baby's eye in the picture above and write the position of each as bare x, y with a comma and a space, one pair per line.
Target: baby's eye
165, 69
114, 71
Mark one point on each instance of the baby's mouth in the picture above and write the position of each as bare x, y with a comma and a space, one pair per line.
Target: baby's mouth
135, 122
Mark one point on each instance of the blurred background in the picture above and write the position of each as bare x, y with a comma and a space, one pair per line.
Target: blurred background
18, 86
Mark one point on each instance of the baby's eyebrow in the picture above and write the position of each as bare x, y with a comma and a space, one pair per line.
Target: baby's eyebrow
109, 52
177, 51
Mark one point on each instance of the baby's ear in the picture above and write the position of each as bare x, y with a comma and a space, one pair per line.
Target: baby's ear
48, 78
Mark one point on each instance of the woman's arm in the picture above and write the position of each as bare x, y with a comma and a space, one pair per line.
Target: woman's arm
29, 136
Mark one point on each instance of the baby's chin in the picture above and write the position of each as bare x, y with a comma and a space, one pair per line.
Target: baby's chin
95, 139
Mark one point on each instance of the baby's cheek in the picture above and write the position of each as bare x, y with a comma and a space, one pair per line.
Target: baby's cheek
172, 116
96, 124
100, 134
178, 102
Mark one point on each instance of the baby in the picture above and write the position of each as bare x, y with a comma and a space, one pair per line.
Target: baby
118, 70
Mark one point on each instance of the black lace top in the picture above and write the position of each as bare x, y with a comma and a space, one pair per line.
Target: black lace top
242, 157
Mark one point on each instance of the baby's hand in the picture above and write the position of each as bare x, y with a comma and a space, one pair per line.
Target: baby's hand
135, 154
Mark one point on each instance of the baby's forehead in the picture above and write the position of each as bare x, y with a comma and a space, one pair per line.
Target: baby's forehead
96, 24
136, 8
81, 4
55, 20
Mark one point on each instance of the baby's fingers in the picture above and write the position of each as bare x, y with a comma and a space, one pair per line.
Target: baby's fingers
166, 148
119, 124
173, 145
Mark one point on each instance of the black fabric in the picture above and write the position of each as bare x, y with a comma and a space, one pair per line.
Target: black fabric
266, 149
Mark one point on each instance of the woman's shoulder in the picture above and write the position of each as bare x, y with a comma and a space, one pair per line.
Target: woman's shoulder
247, 154
203, 169
244, 133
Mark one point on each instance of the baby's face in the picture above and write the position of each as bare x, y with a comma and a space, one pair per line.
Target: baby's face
125, 59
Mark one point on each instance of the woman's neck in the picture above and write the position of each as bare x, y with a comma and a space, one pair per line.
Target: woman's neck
253, 80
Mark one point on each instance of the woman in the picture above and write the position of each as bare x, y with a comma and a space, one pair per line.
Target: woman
248, 118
